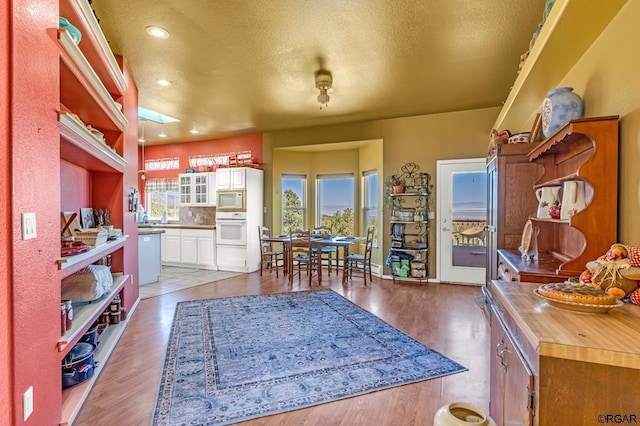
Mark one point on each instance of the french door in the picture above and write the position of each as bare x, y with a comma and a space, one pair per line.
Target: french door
461, 220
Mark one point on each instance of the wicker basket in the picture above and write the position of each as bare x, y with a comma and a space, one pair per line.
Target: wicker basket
92, 236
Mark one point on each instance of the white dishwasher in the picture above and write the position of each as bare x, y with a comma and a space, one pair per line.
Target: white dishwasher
149, 257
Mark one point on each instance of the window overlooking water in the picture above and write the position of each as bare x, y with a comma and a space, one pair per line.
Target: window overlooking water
469, 208
335, 203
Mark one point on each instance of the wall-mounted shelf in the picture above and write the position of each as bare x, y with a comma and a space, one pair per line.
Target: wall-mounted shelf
72, 264
80, 147
85, 85
74, 397
85, 315
94, 44
570, 29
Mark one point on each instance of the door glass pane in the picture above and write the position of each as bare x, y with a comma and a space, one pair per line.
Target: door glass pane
468, 219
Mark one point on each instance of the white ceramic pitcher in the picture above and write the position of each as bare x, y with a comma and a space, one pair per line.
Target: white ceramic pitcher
573, 198
547, 197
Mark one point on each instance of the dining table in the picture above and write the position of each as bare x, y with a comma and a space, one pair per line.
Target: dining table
317, 242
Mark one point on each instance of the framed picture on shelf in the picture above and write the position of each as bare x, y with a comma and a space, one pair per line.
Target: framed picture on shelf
535, 130
86, 217
73, 223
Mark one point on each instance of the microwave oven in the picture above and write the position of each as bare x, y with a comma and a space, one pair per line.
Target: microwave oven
233, 200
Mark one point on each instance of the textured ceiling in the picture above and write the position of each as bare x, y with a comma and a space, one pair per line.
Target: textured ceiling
244, 66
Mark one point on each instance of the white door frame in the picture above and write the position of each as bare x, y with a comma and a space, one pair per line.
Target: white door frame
466, 275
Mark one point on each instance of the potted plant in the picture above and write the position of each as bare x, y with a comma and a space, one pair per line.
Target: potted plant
394, 184
397, 184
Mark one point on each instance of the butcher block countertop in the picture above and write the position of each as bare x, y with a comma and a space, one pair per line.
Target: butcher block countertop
612, 338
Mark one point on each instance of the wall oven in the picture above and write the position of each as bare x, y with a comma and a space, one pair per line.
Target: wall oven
231, 228
231, 200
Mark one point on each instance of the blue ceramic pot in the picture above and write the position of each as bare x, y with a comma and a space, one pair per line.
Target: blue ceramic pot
75, 33
560, 106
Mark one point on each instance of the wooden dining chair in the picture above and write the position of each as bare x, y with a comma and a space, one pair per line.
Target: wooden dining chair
301, 255
269, 258
360, 263
328, 253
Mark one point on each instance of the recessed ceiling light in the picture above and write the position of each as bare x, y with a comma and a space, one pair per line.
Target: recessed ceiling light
162, 134
194, 131
157, 32
164, 82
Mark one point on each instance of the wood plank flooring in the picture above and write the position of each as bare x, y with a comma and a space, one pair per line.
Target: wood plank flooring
444, 317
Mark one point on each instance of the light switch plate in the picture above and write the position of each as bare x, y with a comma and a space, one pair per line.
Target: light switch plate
27, 403
29, 226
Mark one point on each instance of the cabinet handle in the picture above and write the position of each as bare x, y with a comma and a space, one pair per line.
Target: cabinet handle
501, 355
501, 349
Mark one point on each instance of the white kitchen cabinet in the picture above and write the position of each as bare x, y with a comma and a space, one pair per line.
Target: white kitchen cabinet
206, 249
170, 249
231, 178
197, 189
234, 258
189, 247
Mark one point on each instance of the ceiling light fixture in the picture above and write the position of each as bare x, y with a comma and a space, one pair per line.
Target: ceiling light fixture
163, 82
141, 137
157, 32
193, 130
142, 141
162, 134
324, 82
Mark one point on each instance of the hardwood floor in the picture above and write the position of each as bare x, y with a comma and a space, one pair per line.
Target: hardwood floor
444, 317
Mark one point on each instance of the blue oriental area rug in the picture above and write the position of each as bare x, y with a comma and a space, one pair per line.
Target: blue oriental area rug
237, 358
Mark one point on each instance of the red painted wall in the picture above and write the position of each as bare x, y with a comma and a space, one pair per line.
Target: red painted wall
35, 175
75, 186
6, 341
251, 142
129, 224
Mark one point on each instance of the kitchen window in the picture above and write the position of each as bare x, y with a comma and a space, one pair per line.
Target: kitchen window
162, 195
293, 202
370, 202
335, 203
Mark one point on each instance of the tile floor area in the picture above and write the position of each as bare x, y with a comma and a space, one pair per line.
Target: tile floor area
174, 279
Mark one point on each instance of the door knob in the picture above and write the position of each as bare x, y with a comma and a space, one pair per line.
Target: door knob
446, 229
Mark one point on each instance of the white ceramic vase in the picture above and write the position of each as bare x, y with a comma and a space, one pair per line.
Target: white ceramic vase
547, 197
573, 198
461, 414
560, 106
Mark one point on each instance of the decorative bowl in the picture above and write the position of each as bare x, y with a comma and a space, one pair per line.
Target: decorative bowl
74, 33
521, 137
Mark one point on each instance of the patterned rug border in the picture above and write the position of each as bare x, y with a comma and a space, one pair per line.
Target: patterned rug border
453, 367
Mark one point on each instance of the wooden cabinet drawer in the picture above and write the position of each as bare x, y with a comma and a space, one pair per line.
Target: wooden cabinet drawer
505, 272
